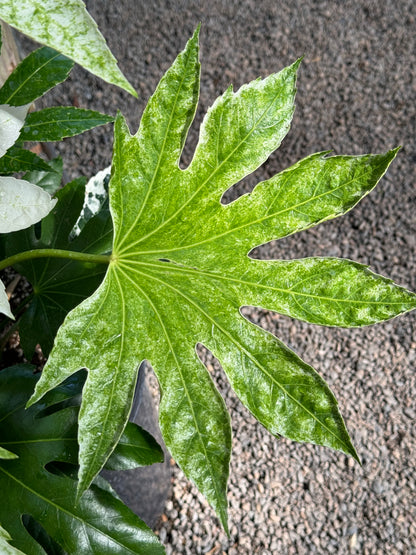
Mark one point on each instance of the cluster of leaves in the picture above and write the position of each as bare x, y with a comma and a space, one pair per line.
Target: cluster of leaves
178, 275
38, 463
38, 446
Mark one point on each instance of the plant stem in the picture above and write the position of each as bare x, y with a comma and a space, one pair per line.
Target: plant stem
54, 253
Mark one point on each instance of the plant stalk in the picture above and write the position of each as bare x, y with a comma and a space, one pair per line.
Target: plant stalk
54, 253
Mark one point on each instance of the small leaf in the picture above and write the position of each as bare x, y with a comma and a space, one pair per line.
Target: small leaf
34, 76
22, 204
5, 454
59, 284
4, 302
54, 124
11, 122
49, 179
68, 28
96, 194
99, 523
18, 159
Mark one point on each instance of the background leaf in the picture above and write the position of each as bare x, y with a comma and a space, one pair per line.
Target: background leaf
50, 178
48, 497
4, 302
17, 159
70, 30
11, 122
54, 124
34, 76
59, 285
22, 204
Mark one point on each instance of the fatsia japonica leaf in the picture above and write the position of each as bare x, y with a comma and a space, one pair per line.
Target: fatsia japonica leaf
59, 284
180, 273
33, 483
68, 28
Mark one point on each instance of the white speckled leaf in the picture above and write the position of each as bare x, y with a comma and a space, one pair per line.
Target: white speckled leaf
22, 204
180, 274
66, 26
4, 303
12, 119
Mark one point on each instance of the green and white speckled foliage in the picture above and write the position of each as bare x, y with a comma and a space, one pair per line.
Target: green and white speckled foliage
66, 26
180, 272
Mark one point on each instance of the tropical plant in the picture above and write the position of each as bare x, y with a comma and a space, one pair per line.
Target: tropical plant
164, 266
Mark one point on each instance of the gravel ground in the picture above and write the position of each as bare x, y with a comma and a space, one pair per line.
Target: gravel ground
356, 94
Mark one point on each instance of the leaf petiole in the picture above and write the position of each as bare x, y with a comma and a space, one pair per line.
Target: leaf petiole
54, 253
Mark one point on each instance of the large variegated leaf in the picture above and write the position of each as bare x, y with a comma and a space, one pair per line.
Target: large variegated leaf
67, 27
180, 273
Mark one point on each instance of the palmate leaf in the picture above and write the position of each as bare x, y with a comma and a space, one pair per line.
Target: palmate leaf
180, 274
58, 284
44, 440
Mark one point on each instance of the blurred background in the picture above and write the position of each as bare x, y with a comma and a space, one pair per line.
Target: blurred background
356, 94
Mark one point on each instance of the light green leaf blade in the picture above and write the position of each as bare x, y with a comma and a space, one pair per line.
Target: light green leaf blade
68, 28
180, 274
5, 454
54, 124
34, 76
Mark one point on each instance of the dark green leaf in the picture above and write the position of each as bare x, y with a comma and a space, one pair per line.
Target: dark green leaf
135, 448
50, 179
99, 523
54, 124
180, 273
18, 159
59, 285
34, 76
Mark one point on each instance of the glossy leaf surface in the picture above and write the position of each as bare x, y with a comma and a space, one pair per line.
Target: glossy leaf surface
22, 204
54, 124
59, 284
42, 441
68, 28
11, 122
49, 179
180, 274
34, 76
18, 159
